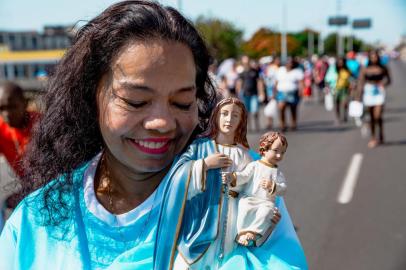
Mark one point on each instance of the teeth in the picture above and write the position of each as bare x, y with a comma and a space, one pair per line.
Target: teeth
151, 145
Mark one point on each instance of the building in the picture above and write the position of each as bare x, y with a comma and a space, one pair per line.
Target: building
28, 57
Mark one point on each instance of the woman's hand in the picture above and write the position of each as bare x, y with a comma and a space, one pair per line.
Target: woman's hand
217, 160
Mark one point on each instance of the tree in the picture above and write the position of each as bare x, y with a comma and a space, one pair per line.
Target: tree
303, 38
265, 42
222, 37
330, 44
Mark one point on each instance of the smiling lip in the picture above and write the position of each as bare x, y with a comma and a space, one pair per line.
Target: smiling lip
153, 146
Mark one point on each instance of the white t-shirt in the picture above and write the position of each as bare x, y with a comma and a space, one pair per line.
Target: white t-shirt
97, 209
288, 81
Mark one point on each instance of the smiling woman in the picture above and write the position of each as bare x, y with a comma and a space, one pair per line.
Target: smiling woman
125, 100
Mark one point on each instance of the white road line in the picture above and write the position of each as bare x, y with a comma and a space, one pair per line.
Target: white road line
348, 186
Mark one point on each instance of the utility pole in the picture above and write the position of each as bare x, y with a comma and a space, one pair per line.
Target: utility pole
320, 45
180, 5
284, 49
339, 41
310, 43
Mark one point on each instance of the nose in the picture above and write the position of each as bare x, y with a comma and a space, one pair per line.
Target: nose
228, 119
278, 155
160, 120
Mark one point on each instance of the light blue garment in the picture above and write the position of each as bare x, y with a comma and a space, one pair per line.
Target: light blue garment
331, 77
354, 67
200, 225
84, 242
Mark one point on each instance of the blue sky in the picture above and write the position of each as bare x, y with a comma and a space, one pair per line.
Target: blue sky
388, 16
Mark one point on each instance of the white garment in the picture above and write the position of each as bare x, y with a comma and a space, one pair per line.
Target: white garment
255, 209
288, 81
240, 157
231, 77
98, 210
374, 95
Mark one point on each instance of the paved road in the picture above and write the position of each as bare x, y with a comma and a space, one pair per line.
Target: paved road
368, 232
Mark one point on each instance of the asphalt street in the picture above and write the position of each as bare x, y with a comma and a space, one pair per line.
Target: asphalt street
369, 230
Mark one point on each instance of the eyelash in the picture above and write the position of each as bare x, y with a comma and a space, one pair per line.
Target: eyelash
183, 107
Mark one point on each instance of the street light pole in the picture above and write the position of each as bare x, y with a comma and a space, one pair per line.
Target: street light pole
180, 5
284, 49
320, 45
339, 41
310, 43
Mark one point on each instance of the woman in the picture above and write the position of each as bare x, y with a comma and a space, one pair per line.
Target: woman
289, 84
342, 89
125, 100
372, 83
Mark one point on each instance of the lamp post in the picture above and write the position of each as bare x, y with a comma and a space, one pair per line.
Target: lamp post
284, 49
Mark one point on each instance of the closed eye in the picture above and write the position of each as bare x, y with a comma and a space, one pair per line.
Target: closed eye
131, 103
184, 107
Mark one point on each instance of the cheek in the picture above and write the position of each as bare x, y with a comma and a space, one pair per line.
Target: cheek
115, 121
187, 122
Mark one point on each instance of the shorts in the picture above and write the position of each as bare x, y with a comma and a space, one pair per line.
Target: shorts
341, 95
291, 97
251, 103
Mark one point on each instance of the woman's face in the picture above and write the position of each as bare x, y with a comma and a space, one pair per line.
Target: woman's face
340, 63
147, 104
229, 119
373, 58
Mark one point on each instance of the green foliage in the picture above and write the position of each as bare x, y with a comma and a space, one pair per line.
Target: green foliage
303, 39
330, 44
225, 40
222, 37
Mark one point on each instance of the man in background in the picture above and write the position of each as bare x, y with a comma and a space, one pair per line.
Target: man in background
250, 89
15, 132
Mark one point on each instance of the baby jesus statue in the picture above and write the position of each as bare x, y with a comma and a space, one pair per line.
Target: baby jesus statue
263, 182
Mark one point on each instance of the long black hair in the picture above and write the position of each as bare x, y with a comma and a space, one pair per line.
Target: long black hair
68, 133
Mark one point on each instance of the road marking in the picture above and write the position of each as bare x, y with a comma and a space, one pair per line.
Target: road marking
348, 186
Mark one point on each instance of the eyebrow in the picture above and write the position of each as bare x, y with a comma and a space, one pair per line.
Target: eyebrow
135, 86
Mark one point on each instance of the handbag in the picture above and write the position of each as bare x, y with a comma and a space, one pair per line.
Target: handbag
328, 102
355, 109
271, 109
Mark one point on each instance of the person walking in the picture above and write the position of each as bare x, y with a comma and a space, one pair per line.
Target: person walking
373, 81
289, 84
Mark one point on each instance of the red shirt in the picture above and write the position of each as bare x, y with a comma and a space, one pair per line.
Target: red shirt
14, 140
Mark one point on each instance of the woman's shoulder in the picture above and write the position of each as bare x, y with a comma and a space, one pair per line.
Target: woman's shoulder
32, 205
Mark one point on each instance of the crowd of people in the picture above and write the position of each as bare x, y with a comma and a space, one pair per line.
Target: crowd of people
331, 80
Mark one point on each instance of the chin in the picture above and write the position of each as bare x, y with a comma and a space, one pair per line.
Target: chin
152, 166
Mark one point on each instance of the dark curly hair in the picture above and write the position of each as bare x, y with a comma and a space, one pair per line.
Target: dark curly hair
68, 133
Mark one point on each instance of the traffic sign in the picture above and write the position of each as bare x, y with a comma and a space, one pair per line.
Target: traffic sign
338, 20
361, 23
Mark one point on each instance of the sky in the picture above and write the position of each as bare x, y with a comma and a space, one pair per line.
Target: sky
388, 16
